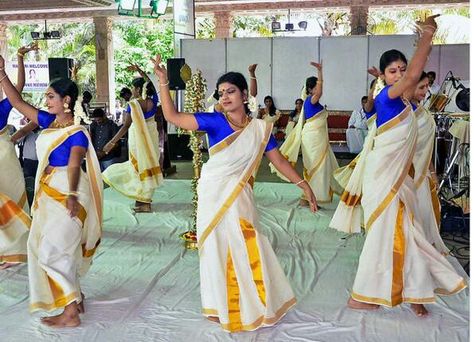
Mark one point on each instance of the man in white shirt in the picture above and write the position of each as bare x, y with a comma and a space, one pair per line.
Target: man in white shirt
357, 130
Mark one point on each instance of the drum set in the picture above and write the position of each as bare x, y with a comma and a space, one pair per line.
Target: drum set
451, 151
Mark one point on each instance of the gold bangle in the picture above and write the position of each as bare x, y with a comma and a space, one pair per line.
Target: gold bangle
19, 54
164, 84
301, 181
73, 193
1, 79
253, 78
318, 81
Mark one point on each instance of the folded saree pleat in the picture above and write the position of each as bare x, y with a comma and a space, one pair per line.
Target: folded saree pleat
348, 217
61, 247
140, 175
397, 264
242, 282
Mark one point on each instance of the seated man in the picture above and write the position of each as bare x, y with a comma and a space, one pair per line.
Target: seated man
102, 130
357, 130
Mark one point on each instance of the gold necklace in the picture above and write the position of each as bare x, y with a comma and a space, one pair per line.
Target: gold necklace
236, 124
57, 124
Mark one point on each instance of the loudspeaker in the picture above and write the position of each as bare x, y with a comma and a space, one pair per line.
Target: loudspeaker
174, 66
60, 68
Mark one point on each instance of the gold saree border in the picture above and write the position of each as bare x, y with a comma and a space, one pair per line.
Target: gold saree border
238, 188
398, 257
224, 143
349, 199
394, 121
59, 303
13, 258
61, 199
10, 211
262, 320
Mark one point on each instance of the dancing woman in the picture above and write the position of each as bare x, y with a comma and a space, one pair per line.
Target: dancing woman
425, 178
14, 223
67, 209
242, 284
348, 216
311, 135
140, 175
397, 264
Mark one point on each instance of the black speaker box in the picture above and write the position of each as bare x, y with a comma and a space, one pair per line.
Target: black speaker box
174, 66
60, 68
178, 147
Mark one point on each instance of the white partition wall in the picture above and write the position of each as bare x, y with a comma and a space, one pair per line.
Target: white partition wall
207, 56
344, 70
283, 63
241, 52
454, 58
290, 67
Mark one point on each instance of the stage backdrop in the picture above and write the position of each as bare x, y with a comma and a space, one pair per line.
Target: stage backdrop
284, 63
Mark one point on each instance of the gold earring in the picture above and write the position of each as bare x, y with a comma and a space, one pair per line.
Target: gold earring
66, 108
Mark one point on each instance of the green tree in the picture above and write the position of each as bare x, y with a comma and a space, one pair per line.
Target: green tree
135, 41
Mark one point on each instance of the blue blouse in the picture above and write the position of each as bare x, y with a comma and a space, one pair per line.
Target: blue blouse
218, 128
60, 155
153, 110
369, 114
386, 107
5, 109
310, 109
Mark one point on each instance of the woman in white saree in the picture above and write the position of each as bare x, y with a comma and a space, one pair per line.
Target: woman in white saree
67, 209
140, 175
397, 264
429, 207
242, 284
348, 217
311, 135
14, 209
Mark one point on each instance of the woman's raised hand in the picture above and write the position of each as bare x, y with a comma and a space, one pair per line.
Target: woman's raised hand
317, 65
159, 69
374, 71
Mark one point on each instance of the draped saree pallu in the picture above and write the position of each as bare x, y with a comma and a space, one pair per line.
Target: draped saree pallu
397, 264
242, 282
14, 220
429, 207
60, 247
139, 176
319, 162
348, 217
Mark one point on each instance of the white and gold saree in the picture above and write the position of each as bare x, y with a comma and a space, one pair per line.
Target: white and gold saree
60, 247
348, 217
428, 203
242, 282
12, 182
14, 220
397, 264
140, 175
319, 161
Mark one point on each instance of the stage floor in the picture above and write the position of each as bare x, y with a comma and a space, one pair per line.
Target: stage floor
144, 286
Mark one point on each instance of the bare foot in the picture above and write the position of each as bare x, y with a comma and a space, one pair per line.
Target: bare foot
80, 307
419, 310
353, 304
213, 319
69, 318
141, 207
6, 265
